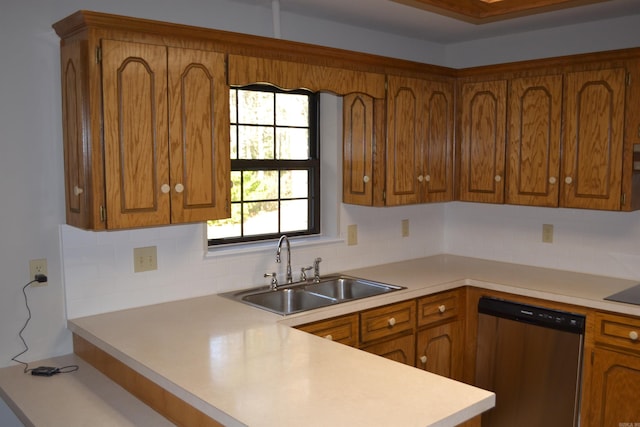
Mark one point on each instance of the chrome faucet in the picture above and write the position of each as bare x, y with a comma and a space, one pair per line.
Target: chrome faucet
285, 239
316, 270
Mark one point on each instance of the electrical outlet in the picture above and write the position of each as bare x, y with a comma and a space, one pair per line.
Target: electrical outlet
547, 233
145, 259
352, 235
405, 228
37, 266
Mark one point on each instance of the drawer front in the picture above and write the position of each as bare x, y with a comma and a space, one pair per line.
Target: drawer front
386, 321
343, 329
620, 331
436, 308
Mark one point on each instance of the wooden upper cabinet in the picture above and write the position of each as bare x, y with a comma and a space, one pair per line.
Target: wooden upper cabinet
483, 114
593, 140
136, 133
146, 134
533, 149
419, 161
199, 135
357, 146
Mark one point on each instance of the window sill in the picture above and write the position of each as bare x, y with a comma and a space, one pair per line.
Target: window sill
264, 246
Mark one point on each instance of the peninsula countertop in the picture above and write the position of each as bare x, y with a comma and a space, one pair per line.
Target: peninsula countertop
245, 366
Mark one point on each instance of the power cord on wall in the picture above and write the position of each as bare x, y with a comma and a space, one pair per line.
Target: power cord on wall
40, 370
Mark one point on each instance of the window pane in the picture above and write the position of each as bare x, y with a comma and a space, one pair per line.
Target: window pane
260, 185
293, 144
255, 107
232, 106
225, 228
234, 142
260, 218
256, 142
236, 186
292, 110
294, 215
294, 184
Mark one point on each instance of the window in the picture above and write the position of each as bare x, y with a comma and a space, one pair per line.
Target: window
275, 166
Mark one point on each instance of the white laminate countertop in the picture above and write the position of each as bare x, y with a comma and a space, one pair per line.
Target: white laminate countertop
245, 366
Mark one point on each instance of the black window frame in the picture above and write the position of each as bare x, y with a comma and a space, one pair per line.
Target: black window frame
312, 164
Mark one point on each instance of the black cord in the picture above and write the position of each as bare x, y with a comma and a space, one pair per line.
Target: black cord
65, 369
26, 347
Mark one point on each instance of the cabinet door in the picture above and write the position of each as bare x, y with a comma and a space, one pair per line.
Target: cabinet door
405, 133
399, 349
594, 124
535, 114
439, 350
343, 329
199, 135
136, 139
77, 150
615, 387
437, 150
357, 156
483, 140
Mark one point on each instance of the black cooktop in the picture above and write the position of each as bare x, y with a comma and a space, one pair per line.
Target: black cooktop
630, 296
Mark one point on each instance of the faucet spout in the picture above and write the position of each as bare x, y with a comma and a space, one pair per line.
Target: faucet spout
284, 238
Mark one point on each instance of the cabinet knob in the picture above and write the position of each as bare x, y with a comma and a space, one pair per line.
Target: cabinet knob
179, 188
392, 321
423, 360
568, 180
442, 308
420, 178
165, 188
552, 180
77, 191
328, 337
366, 179
633, 336
427, 178
498, 178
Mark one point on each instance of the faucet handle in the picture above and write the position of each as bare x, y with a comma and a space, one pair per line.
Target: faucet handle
274, 279
303, 273
316, 269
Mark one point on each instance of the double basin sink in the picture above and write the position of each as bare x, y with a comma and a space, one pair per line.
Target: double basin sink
303, 296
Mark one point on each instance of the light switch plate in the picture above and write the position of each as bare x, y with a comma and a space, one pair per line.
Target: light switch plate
547, 233
352, 235
145, 259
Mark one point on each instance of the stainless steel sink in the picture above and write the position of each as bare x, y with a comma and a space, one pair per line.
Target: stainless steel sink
288, 300
303, 296
345, 288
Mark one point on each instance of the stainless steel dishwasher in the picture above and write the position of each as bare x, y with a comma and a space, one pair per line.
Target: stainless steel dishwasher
531, 357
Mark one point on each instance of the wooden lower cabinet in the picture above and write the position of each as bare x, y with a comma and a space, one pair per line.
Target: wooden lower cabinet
439, 350
401, 349
342, 329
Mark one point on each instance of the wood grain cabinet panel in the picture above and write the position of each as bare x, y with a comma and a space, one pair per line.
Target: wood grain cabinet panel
386, 321
439, 349
398, 349
593, 142
533, 151
419, 159
483, 141
342, 329
357, 146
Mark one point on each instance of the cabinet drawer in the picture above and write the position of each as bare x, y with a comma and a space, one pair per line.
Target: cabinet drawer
388, 320
343, 329
436, 308
620, 331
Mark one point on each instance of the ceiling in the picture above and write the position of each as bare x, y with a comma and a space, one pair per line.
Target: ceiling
396, 17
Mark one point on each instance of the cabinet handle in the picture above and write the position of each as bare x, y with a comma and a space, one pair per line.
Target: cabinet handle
179, 188
165, 188
420, 178
77, 191
423, 360
498, 178
427, 178
442, 308
392, 321
328, 337
552, 180
366, 179
633, 336
568, 180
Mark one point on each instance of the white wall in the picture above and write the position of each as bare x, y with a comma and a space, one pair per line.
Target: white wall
32, 194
